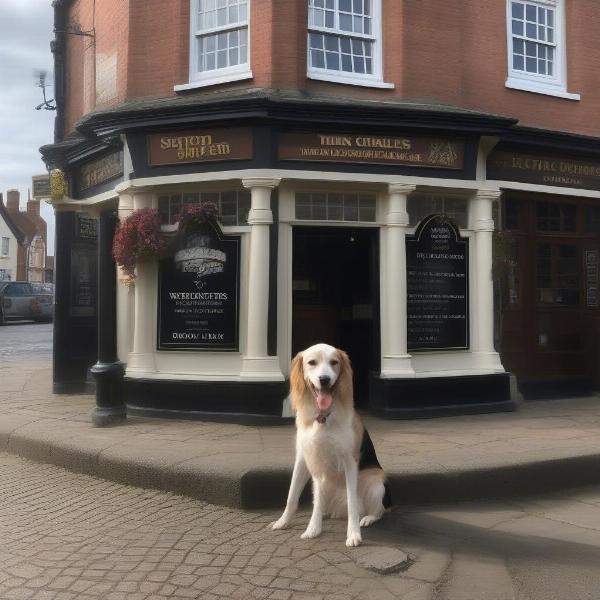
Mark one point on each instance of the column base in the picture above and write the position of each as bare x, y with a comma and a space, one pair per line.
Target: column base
488, 361
419, 397
108, 417
397, 366
261, 368
141, 364
110, 405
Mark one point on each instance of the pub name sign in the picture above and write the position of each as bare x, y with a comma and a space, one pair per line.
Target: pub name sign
543, 170
362, 148
100, 170
199, 146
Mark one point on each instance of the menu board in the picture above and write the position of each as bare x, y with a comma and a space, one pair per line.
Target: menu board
199, 292
437, 271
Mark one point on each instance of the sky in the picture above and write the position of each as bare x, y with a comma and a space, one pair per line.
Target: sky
25, 34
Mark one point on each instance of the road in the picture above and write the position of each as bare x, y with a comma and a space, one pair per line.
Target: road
26, 341
70, 536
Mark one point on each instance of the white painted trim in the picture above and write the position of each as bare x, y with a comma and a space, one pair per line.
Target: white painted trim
293, 177
528, 85
335, 77
555, 85
544, 189
375, 79
199, 79
216, 79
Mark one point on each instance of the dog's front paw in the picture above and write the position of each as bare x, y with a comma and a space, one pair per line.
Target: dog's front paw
281, 523
353, 539
311, 532
368, 520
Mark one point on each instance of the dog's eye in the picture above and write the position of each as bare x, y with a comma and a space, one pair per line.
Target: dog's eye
334, 362
312, 363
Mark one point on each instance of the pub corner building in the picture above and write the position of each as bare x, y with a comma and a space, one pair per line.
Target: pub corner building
449, 245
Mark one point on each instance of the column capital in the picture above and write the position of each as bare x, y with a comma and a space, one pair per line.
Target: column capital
260, 182
401, 188
491, 195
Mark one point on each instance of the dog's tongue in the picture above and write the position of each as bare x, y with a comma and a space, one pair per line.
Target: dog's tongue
324, 400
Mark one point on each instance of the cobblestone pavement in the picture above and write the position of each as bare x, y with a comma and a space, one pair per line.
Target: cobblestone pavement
71, 536
67, 536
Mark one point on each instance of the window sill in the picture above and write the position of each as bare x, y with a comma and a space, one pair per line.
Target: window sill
540, 88
363, 82
216, 80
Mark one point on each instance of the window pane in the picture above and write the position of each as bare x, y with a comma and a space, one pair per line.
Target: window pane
518, 47
333, 61
518, 62
350, 207
345, 22
317, 59
517, 27
517, 10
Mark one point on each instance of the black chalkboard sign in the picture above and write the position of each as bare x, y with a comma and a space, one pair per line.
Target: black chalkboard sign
437, 273
199, 287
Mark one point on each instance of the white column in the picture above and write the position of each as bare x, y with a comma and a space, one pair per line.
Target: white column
141, 359
257, 364
482, 222
396, 361
124, 292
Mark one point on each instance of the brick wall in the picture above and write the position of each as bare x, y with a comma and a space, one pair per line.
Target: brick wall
448, 51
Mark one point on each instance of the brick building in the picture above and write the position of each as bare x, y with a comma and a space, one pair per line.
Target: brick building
361, 154
30, 249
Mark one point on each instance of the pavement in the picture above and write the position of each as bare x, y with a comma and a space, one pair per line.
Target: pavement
543, 447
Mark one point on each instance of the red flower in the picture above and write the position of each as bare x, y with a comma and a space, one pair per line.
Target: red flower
136, 238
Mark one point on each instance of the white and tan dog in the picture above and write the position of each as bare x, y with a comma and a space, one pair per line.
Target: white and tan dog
332, 447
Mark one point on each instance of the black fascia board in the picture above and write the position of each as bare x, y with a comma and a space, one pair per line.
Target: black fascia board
557, 141
122, 120
72, 151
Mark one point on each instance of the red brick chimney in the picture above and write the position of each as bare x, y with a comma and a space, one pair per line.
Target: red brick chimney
33, 208
12, 201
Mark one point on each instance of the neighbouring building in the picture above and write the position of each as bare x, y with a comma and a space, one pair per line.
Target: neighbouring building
10, 239
31, 251
362, 155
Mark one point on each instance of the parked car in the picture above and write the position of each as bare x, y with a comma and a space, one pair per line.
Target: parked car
19, 300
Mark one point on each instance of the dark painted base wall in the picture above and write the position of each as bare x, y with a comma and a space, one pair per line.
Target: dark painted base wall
233, 402
439, 396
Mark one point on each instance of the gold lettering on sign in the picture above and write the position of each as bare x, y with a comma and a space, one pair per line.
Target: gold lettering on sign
406, 151
100, 170
224, 144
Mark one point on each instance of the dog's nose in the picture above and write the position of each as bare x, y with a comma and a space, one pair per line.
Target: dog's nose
324, 380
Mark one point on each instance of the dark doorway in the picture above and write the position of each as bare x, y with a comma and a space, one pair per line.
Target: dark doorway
550, 321
336, 296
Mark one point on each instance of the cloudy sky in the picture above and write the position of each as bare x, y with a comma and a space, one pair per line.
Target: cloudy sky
25, 34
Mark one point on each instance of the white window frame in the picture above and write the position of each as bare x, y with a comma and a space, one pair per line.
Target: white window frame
374, 79
224, 75
5, 242
555, 85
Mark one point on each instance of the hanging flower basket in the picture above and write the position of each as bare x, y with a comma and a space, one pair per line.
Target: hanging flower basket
194, 214
138, 238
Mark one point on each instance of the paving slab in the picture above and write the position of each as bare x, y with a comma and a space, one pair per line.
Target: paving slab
545, 446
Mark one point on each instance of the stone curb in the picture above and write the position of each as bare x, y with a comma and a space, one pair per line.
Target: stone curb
219, 482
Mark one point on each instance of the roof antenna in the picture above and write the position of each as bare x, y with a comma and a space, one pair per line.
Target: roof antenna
40, 77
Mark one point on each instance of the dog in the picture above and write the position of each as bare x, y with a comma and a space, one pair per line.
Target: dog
332, 447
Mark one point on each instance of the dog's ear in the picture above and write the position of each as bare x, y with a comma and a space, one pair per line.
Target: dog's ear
345, 387
297, 381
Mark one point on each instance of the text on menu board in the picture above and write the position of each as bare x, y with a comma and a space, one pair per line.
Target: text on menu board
199, 292
437, 274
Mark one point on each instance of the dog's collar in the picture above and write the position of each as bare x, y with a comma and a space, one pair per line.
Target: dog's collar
322, 418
